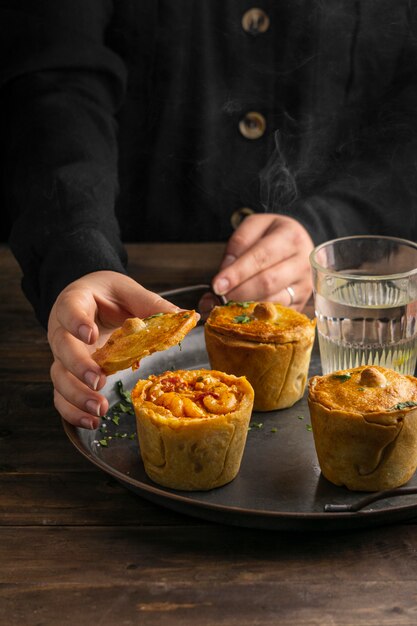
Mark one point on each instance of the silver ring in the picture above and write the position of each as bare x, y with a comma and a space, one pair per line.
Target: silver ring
291, 293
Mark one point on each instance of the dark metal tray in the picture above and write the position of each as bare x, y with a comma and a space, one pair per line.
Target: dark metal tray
279, 485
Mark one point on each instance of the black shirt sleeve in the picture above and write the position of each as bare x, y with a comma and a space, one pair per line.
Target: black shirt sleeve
61, 86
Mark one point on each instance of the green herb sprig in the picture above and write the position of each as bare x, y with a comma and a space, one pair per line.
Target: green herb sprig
123, 393
242, 319
243, 305
257, 425
150, 317
342, 377
403, 405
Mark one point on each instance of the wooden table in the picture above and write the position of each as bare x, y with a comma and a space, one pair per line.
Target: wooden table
77, 548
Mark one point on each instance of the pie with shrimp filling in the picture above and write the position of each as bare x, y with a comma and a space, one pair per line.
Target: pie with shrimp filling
268, 343
364, 424
138, 338
192, 427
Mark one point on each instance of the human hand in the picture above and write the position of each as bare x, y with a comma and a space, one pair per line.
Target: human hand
267, 258
82, 318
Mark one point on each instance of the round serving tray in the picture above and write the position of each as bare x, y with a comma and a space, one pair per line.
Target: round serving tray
279, 485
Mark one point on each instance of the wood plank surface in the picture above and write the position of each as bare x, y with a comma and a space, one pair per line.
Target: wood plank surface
208, 575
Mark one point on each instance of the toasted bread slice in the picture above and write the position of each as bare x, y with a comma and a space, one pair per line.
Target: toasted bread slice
138, 338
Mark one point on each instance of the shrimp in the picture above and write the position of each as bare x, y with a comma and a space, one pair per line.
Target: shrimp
222, 402
171, 401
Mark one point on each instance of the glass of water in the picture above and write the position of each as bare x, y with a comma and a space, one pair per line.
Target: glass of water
365, 294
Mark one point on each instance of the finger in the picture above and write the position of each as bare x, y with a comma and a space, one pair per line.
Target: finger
263, 254
273, 280
296, 298
73, 415
125, 297
253, 228
152, 303
75, 311
139, 302
75, 357
228, 259
259, 261
107, 295
73, 399
241, 241
258, 227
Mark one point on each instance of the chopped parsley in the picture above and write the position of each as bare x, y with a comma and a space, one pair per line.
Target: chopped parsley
242, 319
258, 425
123, 393
114, 416
244, 305
104, 442
125, 408
150, 317
403, 405
342, 377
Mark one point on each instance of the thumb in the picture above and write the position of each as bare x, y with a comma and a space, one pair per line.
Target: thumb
107, 297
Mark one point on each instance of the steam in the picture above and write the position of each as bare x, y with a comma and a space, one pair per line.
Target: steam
278, 186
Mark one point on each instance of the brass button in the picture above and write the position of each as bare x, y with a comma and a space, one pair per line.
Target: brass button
255, 21
253, 125
239, 215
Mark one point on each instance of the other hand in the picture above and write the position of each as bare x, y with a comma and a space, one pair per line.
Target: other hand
267, 258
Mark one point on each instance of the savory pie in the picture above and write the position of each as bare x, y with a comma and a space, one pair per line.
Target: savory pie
268, 343
364, 424
192, 427
138, 338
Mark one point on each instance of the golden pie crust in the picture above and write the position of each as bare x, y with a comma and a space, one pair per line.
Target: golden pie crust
138, 338
192, 427
364, 424
268, 343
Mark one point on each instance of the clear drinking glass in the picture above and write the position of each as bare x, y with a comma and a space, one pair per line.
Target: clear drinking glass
365, 294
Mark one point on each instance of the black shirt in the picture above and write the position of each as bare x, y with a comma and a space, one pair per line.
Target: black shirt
160, 120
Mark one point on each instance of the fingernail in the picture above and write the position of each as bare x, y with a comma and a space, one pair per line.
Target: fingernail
228, 260
93, 407
84, 333
221, 286
86, 423
92, 379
